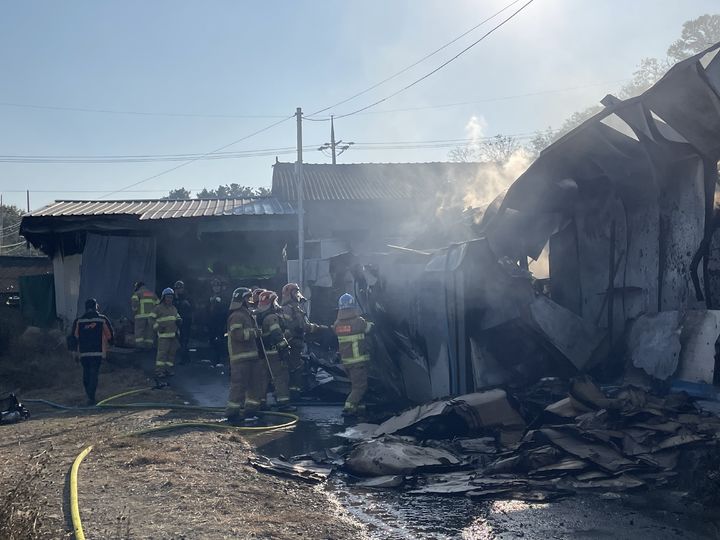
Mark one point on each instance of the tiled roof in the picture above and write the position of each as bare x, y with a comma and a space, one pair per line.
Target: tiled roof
370, 181
148, 209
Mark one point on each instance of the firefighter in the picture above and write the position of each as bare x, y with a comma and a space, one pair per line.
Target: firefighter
166, 322
185, 310
254, 300
298, 325
351, 329
143, 302
216, 318
270, 321
90, 337
246, 377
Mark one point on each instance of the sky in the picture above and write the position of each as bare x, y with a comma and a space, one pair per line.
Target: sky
207, 73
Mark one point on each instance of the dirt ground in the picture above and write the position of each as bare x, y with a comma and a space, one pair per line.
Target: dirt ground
176, 485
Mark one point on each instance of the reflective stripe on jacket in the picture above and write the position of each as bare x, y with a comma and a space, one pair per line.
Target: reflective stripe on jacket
296, 320
143, 303
350, 330
166, 320
273, 335
241, 333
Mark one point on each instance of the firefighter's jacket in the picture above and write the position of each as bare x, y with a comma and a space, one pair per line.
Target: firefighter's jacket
351, 329
166, 320
143, 302
273, 331
296, 321
242, 332
92, 333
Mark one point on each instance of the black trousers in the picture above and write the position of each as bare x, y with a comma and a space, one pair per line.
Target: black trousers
91, 372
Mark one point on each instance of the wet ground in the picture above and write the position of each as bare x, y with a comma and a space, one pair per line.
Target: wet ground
389, 514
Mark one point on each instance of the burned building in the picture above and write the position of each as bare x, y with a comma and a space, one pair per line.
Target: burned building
625, 206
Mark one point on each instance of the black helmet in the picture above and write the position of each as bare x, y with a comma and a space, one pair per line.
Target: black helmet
240, 295
90, 303
179, 284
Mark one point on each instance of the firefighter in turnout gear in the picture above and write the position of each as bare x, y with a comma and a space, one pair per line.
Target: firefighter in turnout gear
89, 339
185, 310
271, 322
143, 302
298, 325
265, 373
166, 321
351, 329
247, 379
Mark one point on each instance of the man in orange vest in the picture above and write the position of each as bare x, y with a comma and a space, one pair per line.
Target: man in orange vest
91, 334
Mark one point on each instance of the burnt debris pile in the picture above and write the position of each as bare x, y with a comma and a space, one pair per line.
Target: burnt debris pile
495, 445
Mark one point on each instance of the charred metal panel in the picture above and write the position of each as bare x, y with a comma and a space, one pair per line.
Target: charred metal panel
565, 288
682, 210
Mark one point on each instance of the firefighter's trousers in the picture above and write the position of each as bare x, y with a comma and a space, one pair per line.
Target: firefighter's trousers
280, 375
296, 366
144, 332
358, 375
247, 386
165, 360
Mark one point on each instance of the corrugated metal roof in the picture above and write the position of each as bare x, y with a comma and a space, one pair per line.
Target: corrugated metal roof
370, 181
147, 209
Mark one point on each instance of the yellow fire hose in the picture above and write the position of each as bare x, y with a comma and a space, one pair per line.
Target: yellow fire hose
74, 505
105, 403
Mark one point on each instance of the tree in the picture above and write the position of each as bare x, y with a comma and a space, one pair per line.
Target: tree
498, 149
697, 35
233, 191
227, 191
11, 243
180, 193
540, 141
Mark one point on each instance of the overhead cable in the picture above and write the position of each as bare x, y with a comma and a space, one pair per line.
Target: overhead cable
441, 66
193, 160
404, 70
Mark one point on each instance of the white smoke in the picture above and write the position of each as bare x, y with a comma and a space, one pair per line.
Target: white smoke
475, 129
493, 179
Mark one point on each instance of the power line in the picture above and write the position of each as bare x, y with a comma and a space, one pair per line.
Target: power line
193, 160
141, 158
491, 100
134, 113
404, 70
441, 66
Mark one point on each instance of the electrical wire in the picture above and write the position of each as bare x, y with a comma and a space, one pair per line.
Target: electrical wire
228, 155
185, 163
134, 113
441, 66
491, 100
406, 69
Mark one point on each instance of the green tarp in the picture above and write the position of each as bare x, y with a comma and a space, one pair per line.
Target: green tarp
37, 299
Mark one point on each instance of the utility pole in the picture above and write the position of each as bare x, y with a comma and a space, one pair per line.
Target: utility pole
333, 145
28, 201
332, 138
300, 185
